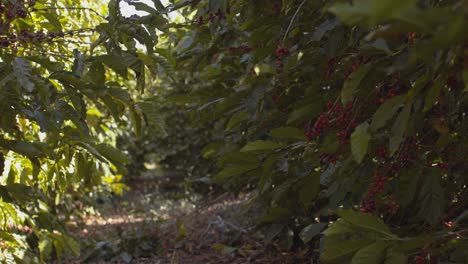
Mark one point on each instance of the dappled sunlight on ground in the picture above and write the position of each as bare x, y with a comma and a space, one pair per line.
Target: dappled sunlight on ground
148, 225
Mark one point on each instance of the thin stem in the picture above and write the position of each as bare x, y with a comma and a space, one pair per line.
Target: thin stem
70, 8
292, 20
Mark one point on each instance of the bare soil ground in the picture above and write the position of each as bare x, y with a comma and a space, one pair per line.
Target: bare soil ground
147, 225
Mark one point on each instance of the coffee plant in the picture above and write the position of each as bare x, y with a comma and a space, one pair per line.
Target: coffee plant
342, 112
65, 82
345, 118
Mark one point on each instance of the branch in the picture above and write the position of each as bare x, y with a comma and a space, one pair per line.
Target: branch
70, 8
292, 20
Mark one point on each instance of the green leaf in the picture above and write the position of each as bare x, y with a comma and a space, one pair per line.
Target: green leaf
288, 133
112, 154
46, 63
236, 119
143, 7
366, 221
52, 16
395, 256
23, 73
308, 189
339, 250
115, 63
260, 145
45, 247
325, 27
399, 129
159, 6
311, 231
22, 147
121, 94
407, 184
211, 149
373, 253
352, 84
339, 228
370, 12
360, 141
72, 245
234, 170
419, 84
267, 169
434, 92
465, 78
432, 198
303, 113
386, 112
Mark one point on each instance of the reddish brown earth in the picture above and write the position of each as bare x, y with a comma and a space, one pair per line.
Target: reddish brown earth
217, 229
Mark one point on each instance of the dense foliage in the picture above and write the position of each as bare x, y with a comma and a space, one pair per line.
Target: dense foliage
337, 109
351, 111
63, 69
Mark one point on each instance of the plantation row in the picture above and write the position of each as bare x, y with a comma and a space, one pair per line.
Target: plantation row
344, 112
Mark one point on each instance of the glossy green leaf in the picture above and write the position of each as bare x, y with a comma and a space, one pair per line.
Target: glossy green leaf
465, 79
386, 112
311, 231
260, 145
353, 83
236, 119
399, 129
288, 133
394, 256
360, 142
370, 12
434, 92
432, 198
111, 153
234, 171
23, 73
373, 253
143, 7
339, 251
367, 222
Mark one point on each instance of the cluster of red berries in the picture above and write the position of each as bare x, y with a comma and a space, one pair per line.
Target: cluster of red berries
322, 123
392, 206
336, 117
378, 185
275, 98
240, 49
153, 234
276, 8
382, 152
360, 60
369, 205
422, 257
405, 153
331, 64
443, 165
452, 81
25, 36
384, 94
328, 158
411, 37
15, 9
20, 228
212, 17
281, 52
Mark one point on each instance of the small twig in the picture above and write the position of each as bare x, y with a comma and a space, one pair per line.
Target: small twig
292, 20
70, 8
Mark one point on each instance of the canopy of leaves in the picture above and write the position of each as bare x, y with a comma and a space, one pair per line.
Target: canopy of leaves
327, 108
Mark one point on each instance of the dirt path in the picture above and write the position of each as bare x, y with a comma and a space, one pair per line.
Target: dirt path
148, 225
